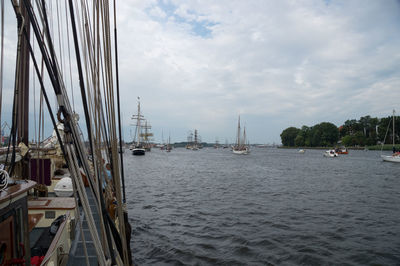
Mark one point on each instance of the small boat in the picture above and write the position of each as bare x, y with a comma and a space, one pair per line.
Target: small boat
394, 158
331, 154
138, 151
342, 150
302, 151
64, 188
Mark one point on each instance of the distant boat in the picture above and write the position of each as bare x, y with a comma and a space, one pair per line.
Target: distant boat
331, 154
240, 146
145, 137
193, 145
168, 148
395, 157
342, 150
302, 151
137, 146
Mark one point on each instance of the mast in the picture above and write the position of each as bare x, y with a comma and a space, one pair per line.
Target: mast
244, 136
138, 124
393, 127
238, 133
23, 82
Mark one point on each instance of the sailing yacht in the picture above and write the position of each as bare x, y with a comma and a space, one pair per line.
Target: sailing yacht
395, 157
138, 147
240, 146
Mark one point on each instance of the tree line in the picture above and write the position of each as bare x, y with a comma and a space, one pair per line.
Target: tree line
362, 132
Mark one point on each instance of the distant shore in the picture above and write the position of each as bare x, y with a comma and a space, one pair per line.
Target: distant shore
386, 147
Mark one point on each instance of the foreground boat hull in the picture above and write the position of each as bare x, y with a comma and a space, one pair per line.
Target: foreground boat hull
391, 158
138, 151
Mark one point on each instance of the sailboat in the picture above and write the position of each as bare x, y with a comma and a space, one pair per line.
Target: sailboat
240, 146
36, 226
138, 147
168, 148
395, 157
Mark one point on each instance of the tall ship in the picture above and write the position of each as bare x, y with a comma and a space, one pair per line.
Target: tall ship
146, 136
138, 145
241, 146
193, 141
62, 197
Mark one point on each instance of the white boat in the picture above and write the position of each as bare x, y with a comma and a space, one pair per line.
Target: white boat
241, 147
302, 151
395, 157
242, 152
64, 188
331, 154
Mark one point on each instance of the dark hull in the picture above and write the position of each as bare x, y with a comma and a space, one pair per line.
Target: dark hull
138, 151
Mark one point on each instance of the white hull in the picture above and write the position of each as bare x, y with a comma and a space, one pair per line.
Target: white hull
240, 152
64, 187
391, 158
331, 154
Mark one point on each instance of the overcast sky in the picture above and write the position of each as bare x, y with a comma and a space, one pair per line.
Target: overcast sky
201, 64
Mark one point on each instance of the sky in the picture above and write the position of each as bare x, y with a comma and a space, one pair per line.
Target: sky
201, 64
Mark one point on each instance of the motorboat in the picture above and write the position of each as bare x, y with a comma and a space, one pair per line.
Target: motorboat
342, 150
331, 154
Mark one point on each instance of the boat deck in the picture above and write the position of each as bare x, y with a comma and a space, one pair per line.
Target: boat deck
77, 252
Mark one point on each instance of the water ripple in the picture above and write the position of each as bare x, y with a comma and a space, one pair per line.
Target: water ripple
273, 207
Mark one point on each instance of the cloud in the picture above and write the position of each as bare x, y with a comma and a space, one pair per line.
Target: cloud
290, 62
199, 64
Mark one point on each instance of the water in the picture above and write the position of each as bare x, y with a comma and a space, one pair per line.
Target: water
274, 206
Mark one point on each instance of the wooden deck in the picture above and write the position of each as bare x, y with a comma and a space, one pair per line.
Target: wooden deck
51, 203
15, 190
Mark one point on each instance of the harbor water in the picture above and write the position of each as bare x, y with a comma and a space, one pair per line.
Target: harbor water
271, 207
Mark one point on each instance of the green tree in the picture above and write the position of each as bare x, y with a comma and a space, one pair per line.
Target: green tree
289, 135
348, 140
324, 134
299, 140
